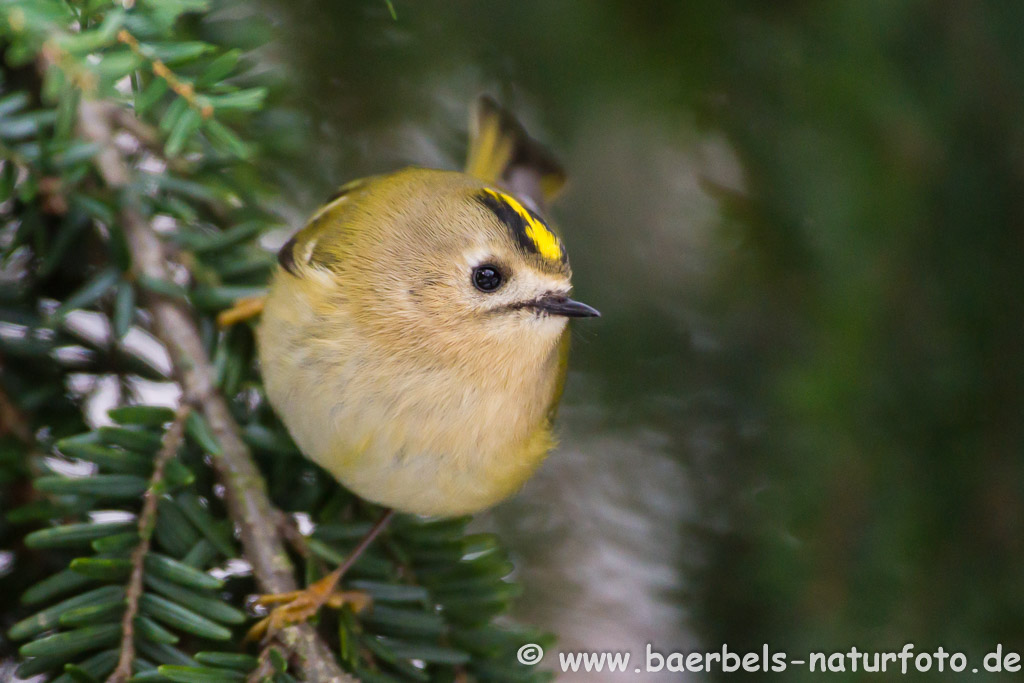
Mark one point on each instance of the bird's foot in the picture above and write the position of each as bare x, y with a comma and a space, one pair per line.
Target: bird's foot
296, 607
244, 309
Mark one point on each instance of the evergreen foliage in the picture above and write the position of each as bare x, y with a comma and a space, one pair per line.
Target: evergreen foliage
198, 137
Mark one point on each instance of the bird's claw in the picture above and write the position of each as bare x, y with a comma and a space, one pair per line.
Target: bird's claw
243, 309
301, 606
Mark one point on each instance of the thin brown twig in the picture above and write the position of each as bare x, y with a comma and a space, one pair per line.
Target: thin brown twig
15, 422
290, 531
142, 132
246, 493
147, 520
264, 669
12, 421
181, 87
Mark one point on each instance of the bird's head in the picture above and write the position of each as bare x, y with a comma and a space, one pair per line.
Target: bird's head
439, 261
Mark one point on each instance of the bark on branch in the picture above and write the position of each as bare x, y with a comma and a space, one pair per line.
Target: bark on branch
246, 494
147, 519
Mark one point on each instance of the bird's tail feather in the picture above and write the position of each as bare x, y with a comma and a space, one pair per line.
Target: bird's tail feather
501, 152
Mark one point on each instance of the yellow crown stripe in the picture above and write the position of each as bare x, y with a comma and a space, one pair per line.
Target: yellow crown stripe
547, 244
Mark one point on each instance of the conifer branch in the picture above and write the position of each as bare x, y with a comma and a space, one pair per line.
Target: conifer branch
246, 494
265, 667
172, 440
182, 88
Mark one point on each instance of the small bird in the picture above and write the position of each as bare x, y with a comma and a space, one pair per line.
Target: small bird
414, 339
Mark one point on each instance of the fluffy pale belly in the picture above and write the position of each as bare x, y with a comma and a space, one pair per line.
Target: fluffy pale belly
412, 448
432, 483
419, 440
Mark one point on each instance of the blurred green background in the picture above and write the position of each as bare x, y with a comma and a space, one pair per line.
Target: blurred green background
799, 421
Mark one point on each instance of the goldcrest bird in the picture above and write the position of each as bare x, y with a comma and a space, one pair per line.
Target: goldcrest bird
414, 340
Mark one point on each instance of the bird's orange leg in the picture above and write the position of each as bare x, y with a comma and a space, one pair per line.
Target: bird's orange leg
244, 309
296, 607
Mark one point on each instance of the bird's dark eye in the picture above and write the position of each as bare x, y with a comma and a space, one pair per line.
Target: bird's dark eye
487, 278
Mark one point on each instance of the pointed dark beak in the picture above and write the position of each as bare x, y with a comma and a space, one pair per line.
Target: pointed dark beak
556, 304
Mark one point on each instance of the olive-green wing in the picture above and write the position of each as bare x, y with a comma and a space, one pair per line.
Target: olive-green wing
299, 248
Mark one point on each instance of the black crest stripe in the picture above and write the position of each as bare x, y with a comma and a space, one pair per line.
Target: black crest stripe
511, 218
